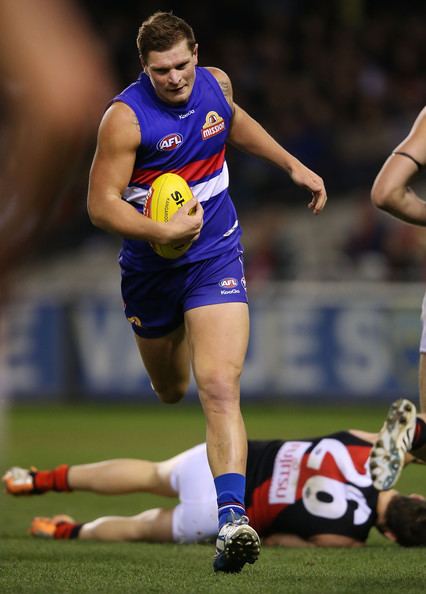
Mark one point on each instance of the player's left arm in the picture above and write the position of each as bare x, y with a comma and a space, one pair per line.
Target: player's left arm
248, 135
318, 540
390, 191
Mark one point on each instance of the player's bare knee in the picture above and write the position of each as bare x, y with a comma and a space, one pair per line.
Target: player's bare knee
153, 525
220, 395
170, 394
171, 397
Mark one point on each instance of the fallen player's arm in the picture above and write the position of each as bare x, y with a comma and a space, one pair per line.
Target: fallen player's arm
319, 540
286, 540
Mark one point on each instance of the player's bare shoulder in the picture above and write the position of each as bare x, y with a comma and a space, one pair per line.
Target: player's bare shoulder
420, 123
120, 126
224, 83
415, 142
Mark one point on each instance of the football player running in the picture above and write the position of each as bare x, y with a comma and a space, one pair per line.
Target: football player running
178, 117
309, 492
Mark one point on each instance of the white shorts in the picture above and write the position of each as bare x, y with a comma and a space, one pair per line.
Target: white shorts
423, 336
195, 517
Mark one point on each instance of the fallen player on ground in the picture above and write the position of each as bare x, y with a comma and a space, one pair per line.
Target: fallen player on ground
325, 491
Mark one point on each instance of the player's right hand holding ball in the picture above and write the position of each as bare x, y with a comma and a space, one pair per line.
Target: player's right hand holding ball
186, 223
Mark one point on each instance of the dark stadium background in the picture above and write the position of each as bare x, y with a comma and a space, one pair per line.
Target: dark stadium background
335, 299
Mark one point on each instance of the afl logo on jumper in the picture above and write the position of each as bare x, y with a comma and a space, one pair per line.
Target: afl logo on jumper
170, 142
228, 286
213, 125
228, 283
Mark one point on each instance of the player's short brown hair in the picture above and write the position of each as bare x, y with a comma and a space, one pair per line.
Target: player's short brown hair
405, 517
161, 31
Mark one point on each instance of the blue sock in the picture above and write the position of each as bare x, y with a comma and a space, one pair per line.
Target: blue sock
230, 489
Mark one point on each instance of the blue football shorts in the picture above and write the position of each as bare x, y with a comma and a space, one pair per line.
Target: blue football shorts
155, 302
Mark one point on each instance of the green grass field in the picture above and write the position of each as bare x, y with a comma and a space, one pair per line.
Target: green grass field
47, 436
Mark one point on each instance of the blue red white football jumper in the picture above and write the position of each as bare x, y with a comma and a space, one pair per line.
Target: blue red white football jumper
189, 140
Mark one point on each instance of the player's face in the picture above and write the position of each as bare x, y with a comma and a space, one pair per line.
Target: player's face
172, 72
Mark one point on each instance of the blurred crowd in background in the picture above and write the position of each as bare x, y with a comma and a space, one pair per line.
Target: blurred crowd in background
338, 83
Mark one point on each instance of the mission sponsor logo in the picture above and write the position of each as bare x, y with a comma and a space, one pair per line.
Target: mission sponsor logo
170, 142
214, 124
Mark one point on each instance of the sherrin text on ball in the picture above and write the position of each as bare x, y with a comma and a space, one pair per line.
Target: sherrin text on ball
167, 194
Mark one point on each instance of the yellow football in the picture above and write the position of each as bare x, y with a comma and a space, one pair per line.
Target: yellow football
167, 194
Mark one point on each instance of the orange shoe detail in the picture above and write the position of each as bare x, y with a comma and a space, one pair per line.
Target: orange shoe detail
43, 527
19, 481
57, 527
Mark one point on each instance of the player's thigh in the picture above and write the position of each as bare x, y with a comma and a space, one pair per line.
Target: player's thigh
218, 338
166, 358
